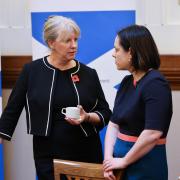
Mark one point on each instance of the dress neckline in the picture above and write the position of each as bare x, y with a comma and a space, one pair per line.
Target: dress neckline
135, 83
72, 69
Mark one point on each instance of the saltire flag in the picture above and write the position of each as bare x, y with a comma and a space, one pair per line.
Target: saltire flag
98, 31
1, 146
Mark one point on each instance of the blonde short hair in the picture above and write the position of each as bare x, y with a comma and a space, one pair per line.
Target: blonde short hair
59, 25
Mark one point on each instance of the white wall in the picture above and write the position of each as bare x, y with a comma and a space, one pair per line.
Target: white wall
15, 31
173, 145
162, 17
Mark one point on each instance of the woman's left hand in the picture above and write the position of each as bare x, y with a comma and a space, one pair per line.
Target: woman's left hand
108, 175
114, 163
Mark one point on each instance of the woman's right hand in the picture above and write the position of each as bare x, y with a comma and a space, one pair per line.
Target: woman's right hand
1, 140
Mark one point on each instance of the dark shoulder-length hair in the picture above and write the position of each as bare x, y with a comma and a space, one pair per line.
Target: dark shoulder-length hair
143, 49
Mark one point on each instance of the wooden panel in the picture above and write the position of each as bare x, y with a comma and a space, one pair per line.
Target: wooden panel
11, 68
170, 67
12, 65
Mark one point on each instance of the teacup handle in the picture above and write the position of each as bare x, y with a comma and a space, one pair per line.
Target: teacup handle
63, 111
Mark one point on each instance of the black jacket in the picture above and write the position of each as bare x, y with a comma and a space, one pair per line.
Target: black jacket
34, 89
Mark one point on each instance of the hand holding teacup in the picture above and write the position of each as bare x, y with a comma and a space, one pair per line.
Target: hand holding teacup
74, 115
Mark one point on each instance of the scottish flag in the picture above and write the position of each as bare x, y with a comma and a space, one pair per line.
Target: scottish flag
98, 31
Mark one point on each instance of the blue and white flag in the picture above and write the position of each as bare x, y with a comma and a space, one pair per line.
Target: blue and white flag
1, 146
99, 22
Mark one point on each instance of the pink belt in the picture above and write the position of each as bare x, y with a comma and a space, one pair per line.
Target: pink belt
128, 138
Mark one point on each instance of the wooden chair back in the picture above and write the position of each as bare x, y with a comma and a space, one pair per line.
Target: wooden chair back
80, 170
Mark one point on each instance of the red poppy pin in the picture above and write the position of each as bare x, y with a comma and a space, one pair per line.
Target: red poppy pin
75, 78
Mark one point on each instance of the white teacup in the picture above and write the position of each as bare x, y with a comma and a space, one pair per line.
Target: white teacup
71, 112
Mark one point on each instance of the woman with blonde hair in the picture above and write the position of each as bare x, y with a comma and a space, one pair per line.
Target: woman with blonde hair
50, 84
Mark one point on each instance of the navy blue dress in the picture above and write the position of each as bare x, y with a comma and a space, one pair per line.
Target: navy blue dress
148, 105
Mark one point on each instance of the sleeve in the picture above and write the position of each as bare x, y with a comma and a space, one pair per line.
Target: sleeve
121, 87
102, 108
158, 105
16, 102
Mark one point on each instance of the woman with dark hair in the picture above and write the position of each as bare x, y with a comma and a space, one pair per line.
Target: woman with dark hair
136, 134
